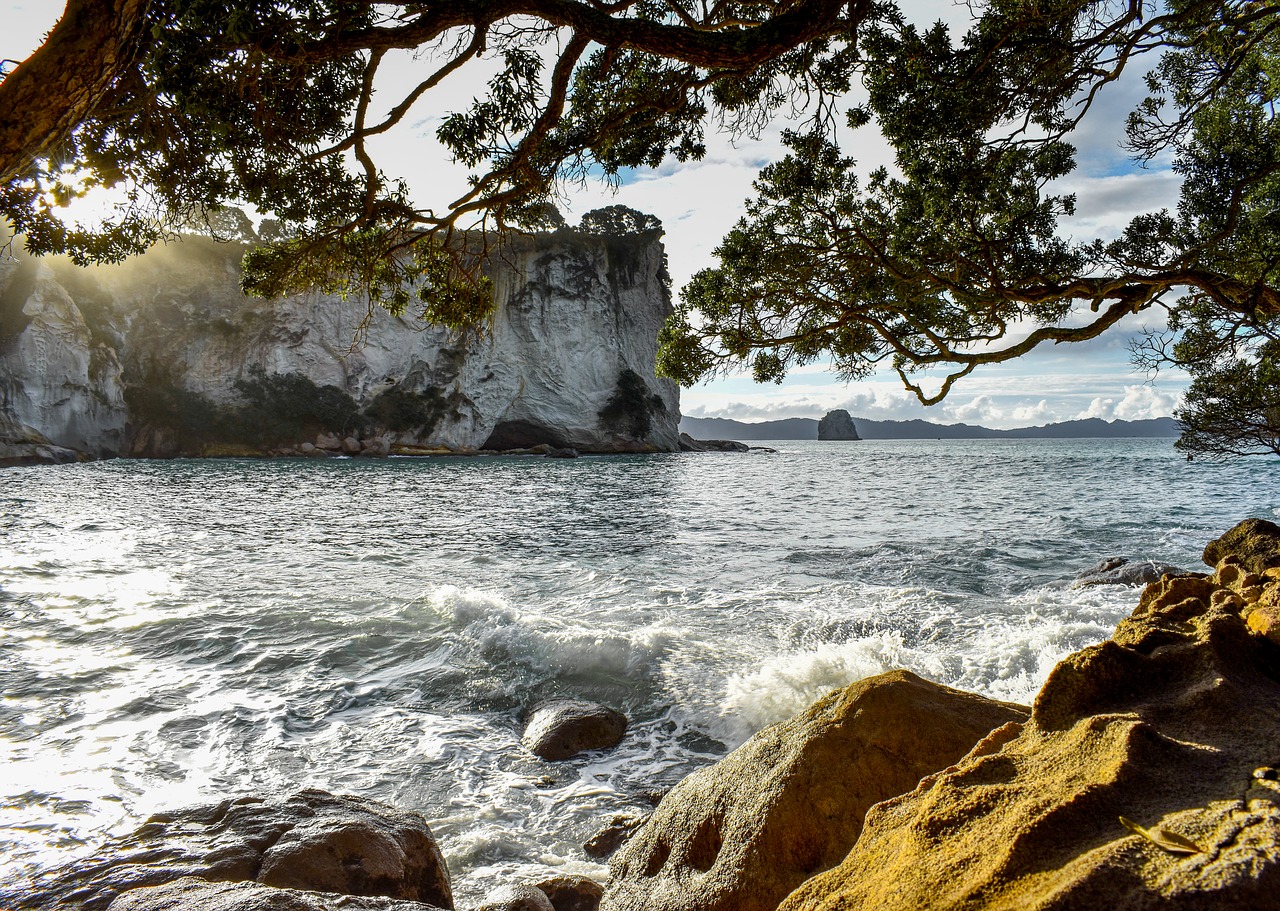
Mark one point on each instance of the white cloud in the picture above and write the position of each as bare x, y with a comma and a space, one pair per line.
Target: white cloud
1134, 403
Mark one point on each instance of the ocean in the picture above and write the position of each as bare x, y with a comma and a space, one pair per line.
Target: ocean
176, 632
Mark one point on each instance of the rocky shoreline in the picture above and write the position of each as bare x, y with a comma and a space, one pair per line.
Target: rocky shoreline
1146, 774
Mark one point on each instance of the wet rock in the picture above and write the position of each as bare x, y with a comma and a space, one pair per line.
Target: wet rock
313, 841
516, 898
837, 425
1255, 543
563, 453
740, 835
1122, 571
1167, 724
689, 444
562, 728
572, 893
193, 894
614, 835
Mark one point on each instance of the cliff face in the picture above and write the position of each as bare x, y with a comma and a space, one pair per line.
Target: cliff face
577, 321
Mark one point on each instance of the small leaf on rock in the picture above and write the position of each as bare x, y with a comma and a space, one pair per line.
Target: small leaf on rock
1162, 838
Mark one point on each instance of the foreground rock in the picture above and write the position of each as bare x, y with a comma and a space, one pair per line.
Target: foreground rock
312, 841
572, 893
1173, 724
837, 425
740, 835
1255, 543
562, 728
516, 898
192, 894
1121, 571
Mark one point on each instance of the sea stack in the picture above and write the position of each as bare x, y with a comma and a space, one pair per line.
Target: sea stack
837, 425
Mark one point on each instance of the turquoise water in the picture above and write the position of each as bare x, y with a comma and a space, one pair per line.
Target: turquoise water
173, 632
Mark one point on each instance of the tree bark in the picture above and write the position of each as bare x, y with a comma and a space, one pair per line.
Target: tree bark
64, 81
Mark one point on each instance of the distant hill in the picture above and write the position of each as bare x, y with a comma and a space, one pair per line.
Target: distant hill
807, 429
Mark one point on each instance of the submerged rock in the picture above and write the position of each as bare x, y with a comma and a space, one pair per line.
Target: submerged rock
313, 841
837, 425
1143, 779
562, 728
193, 894
740, 835
1122, 571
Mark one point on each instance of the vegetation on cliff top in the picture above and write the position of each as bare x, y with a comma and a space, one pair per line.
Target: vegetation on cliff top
956, 259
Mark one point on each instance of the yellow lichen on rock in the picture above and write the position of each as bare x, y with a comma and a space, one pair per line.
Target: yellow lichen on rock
1166, 724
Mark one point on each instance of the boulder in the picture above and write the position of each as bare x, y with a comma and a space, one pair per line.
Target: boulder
351, 446
1254, 542
313, 841
562, 728
516, 898
1145, 777
1122, 571
194, 894
572, 893
740, 835
689, 444
837, 425
377, 447
614, 835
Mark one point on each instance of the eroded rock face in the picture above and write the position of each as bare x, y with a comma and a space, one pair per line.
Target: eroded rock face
740, 835
837, 425
194, 894
1174, 724
577, 314
313, 841
562, 728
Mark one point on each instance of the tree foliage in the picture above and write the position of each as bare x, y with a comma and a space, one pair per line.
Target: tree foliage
954, 258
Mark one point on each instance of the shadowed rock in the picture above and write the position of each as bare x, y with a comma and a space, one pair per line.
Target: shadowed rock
740, 835
192, 894
562, 728
313, 841
613, 836
1173, 724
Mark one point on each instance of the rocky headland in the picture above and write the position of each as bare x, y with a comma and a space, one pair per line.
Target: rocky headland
164, 356
1145, 775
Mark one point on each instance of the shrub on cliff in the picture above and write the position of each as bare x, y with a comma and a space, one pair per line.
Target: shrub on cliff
288, 407
400, 410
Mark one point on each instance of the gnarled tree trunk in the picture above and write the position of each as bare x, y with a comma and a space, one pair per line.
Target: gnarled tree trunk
64, 81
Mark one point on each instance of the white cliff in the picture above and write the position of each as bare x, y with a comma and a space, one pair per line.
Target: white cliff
575, 314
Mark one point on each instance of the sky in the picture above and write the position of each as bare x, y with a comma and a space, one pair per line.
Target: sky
698, 202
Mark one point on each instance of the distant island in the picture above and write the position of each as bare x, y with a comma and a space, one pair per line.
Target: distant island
807, 429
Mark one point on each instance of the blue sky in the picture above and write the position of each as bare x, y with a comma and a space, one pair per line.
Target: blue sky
699, 201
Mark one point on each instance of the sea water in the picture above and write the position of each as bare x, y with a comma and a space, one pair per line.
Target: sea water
177, 632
